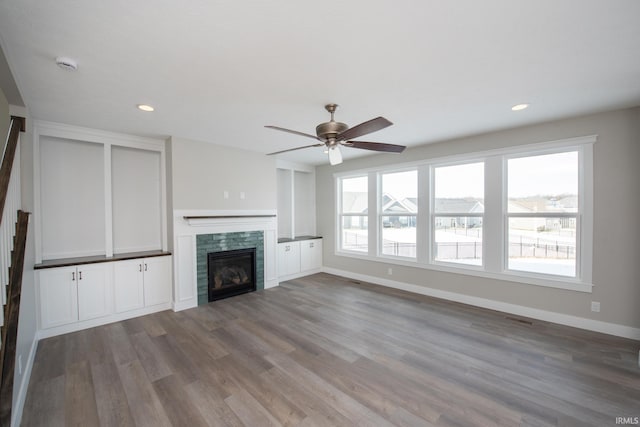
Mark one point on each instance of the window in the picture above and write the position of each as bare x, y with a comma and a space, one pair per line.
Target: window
458, 210
543, 213
354, 205
398, 213
521, 214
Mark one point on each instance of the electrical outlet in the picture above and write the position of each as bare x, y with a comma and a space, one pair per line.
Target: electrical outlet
226, 194
595, 306
390, 271
242, 195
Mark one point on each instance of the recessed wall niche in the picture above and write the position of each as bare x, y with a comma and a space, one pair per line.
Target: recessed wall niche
97, 193
136, 199
72, 202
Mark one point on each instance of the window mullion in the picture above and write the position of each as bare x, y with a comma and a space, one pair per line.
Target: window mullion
373, 226
423, 219
493, 222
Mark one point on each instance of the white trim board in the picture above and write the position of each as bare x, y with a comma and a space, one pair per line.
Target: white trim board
534, 313
18, 407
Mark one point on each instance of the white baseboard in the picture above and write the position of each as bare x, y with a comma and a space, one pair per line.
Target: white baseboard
16, 412
300, 274
520, 310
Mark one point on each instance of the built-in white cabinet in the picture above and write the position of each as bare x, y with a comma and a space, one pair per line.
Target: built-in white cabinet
288, 258
85, 295
310, 254
157, 281
299, 257
129, 285
71, 294
142, 283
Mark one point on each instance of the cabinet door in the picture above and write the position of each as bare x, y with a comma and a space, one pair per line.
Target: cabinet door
310, 254
157, 280
288, 258
94, 296
58, 296
128, 283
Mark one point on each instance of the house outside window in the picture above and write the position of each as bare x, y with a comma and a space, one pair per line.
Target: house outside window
354, 210
398, 213
457, 213
543, 213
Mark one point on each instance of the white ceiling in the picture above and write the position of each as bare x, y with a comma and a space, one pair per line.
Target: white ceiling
218, 71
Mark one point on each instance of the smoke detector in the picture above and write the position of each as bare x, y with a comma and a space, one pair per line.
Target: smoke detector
67, 63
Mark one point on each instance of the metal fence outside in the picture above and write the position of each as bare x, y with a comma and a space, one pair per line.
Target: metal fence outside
518, 248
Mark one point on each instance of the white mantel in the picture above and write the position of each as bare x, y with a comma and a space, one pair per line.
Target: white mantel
198, 222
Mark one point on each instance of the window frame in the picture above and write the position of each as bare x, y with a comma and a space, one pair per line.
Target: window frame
433, 214
380, 213
495, 226
341, 215
578, 215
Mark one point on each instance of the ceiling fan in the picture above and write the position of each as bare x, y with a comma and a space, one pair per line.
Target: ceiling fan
333, 134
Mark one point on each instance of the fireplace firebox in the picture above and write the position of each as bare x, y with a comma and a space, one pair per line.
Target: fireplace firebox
231, 273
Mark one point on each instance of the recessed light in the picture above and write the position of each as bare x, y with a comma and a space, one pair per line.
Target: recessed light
145, 107
519, 107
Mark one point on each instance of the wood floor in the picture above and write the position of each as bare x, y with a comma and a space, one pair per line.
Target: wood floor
325, 351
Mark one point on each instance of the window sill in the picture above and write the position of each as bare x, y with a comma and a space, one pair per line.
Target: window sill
476, 271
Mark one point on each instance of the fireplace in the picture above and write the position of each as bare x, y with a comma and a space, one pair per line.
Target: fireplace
231, 273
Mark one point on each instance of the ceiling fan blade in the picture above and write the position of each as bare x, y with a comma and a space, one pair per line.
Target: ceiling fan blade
335, 155
294, 149
295, 132
372, 125
375, 146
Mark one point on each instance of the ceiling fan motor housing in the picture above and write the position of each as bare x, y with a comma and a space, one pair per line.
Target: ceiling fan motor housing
330, 129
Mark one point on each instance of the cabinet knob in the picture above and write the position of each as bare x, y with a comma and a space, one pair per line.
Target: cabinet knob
145, 266
79, 275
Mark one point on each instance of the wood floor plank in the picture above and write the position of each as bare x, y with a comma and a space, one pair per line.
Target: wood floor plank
178, 407
146, 407
150, 358
111, 401
326, 351
46, 403
214, 410
80, 401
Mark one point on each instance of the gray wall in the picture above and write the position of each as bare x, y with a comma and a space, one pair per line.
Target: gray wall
616, 254
202, 172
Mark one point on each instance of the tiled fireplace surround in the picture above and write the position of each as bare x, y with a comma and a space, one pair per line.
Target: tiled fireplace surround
199, 232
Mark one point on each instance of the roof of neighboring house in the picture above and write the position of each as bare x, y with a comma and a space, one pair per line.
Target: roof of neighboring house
355, 202
458, 205
544, 204
392, 205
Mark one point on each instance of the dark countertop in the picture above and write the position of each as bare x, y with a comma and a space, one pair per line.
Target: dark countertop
67, 262
297, 239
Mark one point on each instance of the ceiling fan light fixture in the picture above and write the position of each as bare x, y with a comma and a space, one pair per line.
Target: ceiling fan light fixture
332, 134
335, 156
